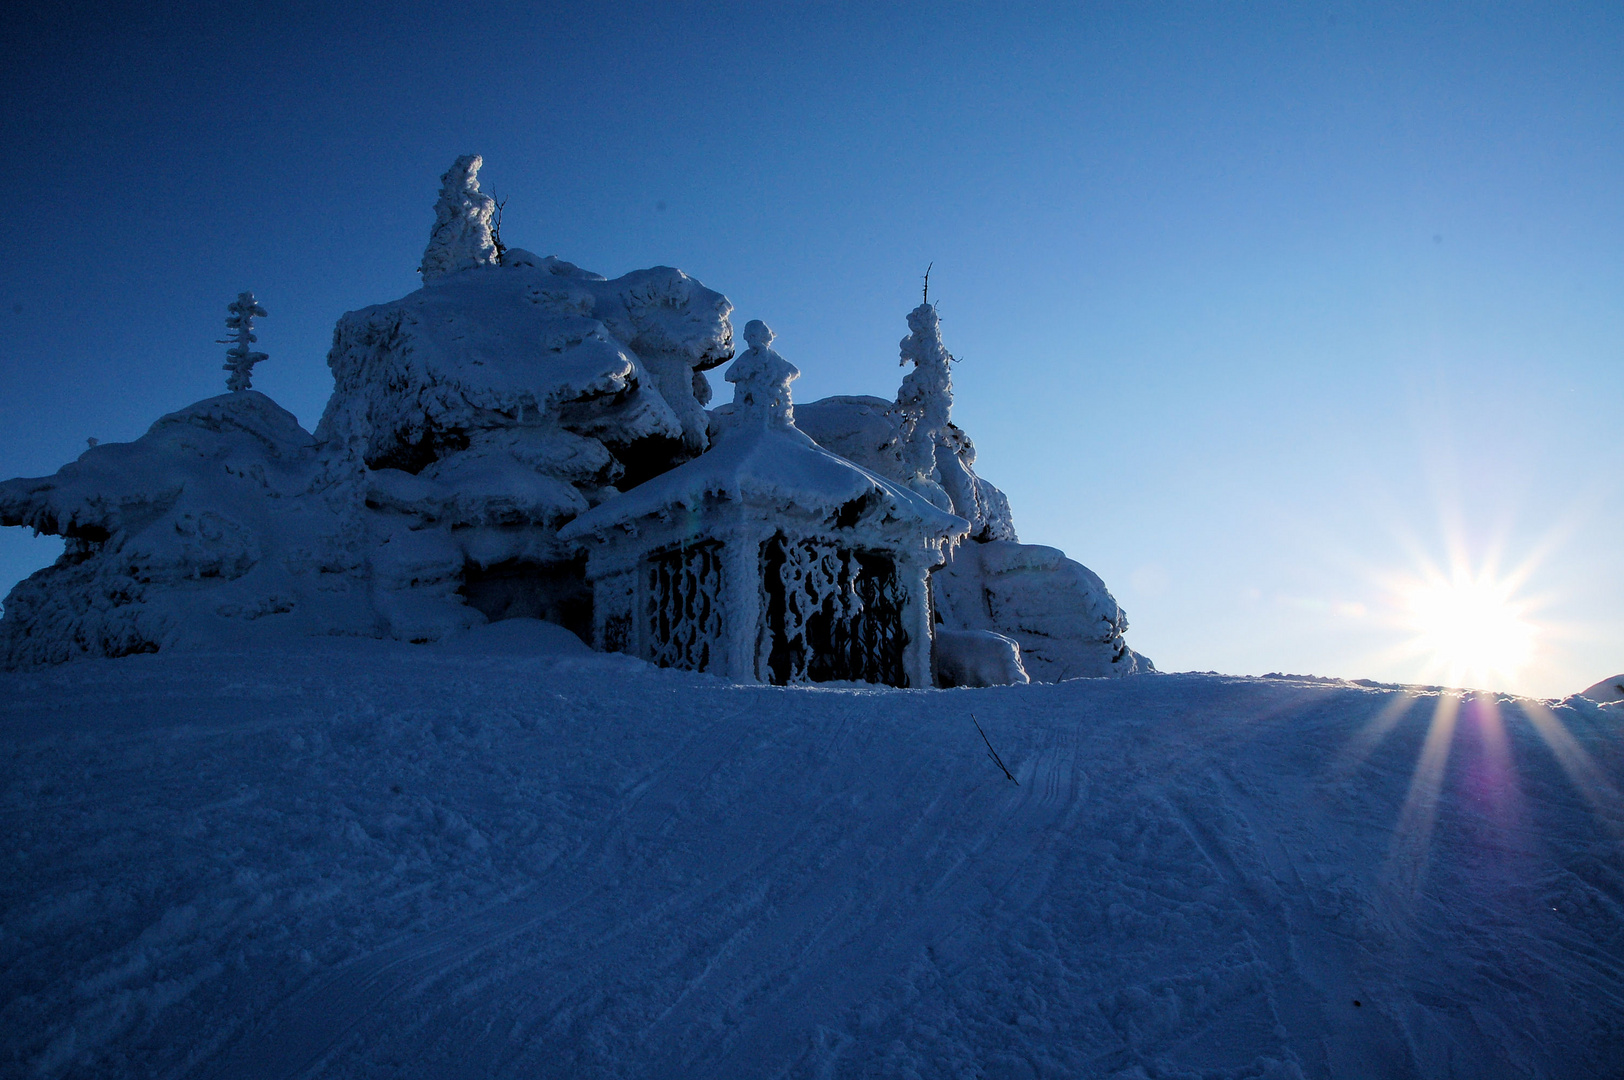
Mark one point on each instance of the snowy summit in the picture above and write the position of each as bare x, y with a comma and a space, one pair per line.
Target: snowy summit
492, 448
533, 718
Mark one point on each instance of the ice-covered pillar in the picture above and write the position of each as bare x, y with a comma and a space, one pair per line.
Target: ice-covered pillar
461, 238
913, 574
761, 395
741, 586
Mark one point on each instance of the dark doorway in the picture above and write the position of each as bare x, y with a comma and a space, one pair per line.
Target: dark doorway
520, 589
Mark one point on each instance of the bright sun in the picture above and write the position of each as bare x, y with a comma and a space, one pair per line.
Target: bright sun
1469, 629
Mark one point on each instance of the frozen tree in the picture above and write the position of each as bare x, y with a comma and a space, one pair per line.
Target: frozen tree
761, 378
240, 359
461, 239
925, 401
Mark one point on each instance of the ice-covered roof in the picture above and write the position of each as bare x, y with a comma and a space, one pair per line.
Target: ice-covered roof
774, 465
762, 458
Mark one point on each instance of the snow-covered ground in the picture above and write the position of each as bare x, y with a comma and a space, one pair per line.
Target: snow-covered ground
508, 856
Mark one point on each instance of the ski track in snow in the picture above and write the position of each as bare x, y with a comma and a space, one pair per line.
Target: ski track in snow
380, 861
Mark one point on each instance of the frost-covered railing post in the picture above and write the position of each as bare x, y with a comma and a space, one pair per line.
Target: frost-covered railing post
240, 358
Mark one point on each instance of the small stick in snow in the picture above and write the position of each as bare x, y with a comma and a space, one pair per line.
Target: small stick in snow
996, 760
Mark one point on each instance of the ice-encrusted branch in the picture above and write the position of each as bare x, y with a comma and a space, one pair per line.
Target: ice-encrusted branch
240, 358
461, 239
761, 378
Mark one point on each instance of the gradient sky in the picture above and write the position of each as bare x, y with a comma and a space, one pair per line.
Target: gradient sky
1260, 307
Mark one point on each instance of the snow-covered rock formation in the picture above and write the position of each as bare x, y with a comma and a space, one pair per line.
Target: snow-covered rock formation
194, 533
471, 422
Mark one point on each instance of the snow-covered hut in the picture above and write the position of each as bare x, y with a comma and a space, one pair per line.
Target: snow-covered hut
768, 558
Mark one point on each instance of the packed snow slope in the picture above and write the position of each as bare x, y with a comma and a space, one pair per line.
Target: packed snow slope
505, 855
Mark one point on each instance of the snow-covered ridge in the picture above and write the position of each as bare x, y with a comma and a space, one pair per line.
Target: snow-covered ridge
483, 429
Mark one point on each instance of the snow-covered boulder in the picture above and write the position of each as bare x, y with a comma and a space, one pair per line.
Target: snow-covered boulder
1063, 617
1606, 690
215, 519
1066, 621
976, 658
569, 373
503, 399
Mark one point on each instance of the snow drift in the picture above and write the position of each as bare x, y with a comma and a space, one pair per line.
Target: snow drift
507, 855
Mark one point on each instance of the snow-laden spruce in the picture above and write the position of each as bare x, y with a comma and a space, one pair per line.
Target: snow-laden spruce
241, 357
462, 238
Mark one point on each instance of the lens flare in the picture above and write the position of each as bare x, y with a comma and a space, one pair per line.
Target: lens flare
1469, 629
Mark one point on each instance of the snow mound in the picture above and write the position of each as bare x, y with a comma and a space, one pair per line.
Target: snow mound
1606, 690
1068, 624
373, 859
976, 658
211, 521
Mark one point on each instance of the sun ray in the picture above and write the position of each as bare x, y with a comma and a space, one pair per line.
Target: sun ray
1582, 771
1412, 836
1364, 742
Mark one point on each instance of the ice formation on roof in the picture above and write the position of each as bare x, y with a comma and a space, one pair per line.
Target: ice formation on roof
461, 239
240, 359
761, 378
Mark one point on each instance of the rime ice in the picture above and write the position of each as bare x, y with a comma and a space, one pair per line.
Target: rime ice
240, 358
523, 438
461, 238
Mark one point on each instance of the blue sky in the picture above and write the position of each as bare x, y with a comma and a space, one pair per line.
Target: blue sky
1261, 307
